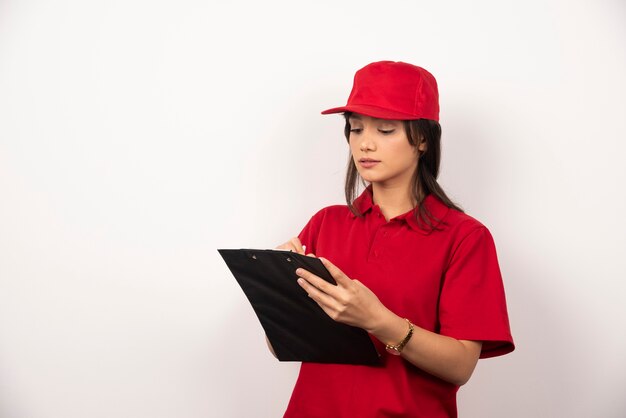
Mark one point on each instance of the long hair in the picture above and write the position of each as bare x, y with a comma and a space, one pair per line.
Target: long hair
424, 180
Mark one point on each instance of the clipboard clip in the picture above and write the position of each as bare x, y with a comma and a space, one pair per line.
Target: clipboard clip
252, 255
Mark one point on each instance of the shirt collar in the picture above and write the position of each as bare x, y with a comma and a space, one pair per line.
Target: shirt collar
364, 204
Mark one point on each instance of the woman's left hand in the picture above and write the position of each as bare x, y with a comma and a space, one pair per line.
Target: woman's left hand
349, 302
352, 303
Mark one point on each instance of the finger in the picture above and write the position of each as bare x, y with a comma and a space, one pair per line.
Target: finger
323, 299
311, 255
334, 271
316, 281
292, 245
286, 246
297, 245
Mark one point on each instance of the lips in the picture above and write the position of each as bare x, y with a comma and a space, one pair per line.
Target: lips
368, 162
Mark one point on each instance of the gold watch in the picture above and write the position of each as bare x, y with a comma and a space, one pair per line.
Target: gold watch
396, 349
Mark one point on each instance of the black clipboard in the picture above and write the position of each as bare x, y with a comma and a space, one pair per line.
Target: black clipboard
298, 329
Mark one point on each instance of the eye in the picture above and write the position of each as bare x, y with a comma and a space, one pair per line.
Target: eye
386, 131
356, 130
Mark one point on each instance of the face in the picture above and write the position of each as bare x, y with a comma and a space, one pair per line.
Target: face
381, 150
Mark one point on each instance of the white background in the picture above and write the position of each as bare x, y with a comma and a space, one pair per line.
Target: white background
137, 137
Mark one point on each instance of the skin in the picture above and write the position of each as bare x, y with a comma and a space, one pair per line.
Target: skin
386, 141
350, 301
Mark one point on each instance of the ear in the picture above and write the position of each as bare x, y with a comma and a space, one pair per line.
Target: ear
422, 147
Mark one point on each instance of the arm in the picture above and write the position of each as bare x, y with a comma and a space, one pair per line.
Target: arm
445, 357
354, 304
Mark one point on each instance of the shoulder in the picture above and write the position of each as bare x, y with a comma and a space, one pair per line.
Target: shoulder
330, 220
467, 237
462, 222
332, 212
461, 227
332, 217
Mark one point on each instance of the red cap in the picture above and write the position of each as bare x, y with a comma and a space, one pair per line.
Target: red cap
393, 90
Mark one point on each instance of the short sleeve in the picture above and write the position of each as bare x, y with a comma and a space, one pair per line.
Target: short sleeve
309, 234
472, 303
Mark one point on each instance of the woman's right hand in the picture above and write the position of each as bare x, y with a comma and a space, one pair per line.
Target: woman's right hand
294, 245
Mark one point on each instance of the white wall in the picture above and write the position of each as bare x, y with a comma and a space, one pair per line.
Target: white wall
137, 137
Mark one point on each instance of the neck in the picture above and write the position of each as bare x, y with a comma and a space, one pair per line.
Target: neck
392, 200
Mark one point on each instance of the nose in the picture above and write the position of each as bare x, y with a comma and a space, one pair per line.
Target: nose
367, 141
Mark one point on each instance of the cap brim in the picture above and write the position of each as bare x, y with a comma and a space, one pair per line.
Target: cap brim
373, 111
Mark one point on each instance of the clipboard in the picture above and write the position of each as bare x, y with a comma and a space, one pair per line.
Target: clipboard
298, 329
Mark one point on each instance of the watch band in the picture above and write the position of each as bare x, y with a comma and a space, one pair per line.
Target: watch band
396, 349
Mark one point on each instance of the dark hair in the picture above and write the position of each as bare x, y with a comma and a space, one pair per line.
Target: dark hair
424, 181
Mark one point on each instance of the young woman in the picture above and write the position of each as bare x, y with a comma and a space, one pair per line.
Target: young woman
414, 271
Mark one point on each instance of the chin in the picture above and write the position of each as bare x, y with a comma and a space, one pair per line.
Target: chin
373, 179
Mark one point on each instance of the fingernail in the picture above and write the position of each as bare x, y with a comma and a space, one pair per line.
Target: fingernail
300, 281
299, 271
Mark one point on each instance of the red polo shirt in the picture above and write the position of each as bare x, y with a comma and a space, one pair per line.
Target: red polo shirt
446, 280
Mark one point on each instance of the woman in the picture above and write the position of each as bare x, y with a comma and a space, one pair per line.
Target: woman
414, 271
